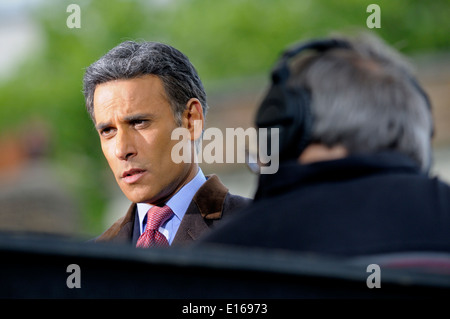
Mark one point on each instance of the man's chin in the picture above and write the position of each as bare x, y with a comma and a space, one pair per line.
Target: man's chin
135, 194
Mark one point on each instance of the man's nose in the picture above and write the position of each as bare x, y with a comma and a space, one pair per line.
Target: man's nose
125, 147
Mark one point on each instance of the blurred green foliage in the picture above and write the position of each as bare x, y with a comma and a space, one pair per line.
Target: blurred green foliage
224, 40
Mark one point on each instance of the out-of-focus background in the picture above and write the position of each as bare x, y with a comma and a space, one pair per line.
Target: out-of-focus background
53, 177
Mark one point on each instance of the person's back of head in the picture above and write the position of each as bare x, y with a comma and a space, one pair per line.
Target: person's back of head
362, 96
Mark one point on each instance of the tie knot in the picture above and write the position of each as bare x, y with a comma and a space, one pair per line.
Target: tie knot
157, 216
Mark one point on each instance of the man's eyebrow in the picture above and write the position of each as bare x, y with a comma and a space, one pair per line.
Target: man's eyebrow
101, 126
127, 119
138, 117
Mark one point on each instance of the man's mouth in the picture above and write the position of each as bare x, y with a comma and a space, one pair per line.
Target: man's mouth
133, 175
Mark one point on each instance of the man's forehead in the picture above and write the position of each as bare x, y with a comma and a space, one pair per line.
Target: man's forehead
130, 95
131, 88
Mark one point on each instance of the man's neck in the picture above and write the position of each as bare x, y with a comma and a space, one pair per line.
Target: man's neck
320, 152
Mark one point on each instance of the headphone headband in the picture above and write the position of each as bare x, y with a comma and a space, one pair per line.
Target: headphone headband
316, 45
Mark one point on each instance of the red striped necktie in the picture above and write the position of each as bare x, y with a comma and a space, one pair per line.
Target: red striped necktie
151, 237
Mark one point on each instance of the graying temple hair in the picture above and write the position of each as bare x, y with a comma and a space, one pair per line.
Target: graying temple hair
131, 59
364, 99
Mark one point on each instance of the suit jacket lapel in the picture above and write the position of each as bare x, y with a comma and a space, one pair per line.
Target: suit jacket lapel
192, 225
122, 229
205, 207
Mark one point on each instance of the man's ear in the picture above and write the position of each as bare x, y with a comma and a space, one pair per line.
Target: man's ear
193, 118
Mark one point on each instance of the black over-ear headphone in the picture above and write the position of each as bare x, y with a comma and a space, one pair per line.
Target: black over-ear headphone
289, 109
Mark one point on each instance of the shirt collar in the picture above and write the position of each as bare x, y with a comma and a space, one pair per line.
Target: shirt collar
179, 202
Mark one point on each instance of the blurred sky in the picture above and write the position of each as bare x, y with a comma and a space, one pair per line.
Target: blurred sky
18, 33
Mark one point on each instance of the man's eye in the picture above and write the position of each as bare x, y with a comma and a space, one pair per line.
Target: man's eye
106, 132
139, 123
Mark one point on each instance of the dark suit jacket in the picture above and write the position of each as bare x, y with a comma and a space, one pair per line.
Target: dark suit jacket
360, 205
211, 204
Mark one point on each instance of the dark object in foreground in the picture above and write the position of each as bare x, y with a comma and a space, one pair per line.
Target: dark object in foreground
37, 267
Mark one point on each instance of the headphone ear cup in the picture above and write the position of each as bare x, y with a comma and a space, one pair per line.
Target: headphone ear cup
289, 111
301, 131
272, 114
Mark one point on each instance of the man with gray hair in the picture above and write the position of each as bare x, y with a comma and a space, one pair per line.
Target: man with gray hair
137, 95
355, 148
